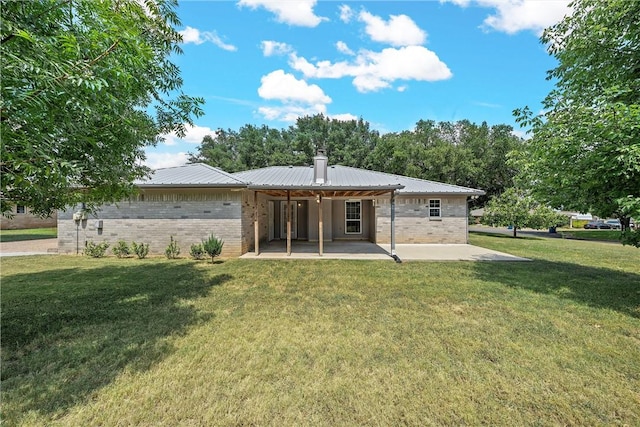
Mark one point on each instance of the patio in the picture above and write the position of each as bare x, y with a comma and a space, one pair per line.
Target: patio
277, 249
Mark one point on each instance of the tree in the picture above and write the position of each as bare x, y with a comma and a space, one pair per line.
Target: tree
86, 85
517, 208
585, 151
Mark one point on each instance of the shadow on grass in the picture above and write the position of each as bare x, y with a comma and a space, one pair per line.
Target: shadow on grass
595, 287
67, 333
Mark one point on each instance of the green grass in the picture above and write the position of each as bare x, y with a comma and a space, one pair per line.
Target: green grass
555, 341
28, 234
605, 235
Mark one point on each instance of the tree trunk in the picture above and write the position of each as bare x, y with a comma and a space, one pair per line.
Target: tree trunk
515, 230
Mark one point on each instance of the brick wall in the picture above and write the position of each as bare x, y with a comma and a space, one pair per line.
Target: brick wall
156, 215
26, 220
413, 224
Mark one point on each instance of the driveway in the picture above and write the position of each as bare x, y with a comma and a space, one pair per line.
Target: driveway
29, 247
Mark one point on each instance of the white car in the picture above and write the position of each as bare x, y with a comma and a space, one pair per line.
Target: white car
614, 223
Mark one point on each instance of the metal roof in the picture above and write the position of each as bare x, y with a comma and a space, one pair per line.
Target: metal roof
191, 175
344, 177
339, 178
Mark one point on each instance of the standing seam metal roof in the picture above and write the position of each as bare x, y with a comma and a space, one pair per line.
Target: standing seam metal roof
196, 174
346, 177
297, 177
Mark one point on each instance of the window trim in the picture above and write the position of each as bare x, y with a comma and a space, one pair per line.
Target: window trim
432, 208
24, 209
347, 220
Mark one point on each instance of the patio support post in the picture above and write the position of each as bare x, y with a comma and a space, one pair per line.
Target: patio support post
393, 223
320, 226
256, 224
288, 222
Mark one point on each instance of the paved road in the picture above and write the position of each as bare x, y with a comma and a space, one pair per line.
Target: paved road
29, 247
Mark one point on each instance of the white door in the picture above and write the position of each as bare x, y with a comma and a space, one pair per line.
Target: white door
283, 220
271, 221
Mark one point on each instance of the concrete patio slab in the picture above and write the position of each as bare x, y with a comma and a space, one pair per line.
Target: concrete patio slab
371, 251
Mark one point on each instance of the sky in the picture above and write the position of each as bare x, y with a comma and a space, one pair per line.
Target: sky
391, 63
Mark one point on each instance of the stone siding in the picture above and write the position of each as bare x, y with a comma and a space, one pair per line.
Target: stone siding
413, 224
154, 216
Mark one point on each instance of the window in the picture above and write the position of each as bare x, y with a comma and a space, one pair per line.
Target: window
20, 209
353, 217
434, 208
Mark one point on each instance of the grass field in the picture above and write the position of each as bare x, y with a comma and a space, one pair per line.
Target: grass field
555, 341
28, 234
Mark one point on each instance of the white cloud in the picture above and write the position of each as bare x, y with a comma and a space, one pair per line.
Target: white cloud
512, 16
166, 160
346, 13
402, 88
342, 47
291, 112
400, 30
345, 117
195, 36
270, 48
194, 135
373, 71
282, 86
299, 12
298, 98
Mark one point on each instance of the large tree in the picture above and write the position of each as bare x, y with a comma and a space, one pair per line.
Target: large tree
585, 151
86, 85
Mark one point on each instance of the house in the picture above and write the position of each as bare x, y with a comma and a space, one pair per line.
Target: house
23, 218
318, 203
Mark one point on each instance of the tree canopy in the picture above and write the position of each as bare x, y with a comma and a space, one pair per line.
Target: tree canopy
585, 151
461, 153
86, 85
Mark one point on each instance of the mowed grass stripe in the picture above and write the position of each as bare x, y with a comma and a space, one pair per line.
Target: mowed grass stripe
157, 342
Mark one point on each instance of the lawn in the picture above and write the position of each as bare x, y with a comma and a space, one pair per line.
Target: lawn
554, 341
28, 234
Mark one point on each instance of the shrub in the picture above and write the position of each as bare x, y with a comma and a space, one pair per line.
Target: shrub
121, 249
95, 250
197, 251
141, 249
173, 250
213, 246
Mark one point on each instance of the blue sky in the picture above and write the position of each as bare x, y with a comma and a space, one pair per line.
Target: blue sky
390, 62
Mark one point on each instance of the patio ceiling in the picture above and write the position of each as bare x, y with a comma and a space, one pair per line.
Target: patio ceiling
324, 193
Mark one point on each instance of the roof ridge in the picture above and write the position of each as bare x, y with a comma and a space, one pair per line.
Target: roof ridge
220, 171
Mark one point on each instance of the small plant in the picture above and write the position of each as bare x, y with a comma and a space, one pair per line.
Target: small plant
95, 250
140, 249
197, 251
173, 250
121, 249
213, 246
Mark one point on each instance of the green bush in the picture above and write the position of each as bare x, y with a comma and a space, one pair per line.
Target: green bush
121, 249
197, 251
95, 250
173, 250
213, 246
141, 249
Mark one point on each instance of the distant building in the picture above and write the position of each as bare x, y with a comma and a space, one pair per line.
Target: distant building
23, 218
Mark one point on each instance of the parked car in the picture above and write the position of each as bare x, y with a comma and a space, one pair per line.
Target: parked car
595, 225
614, 223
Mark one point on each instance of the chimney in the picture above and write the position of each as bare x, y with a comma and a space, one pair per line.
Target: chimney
320, 167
